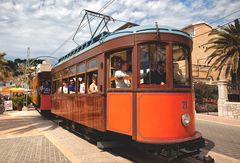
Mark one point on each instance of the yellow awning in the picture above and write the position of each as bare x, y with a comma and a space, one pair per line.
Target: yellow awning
17, 90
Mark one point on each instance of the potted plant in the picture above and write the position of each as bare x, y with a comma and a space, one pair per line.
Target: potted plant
1, 106
18, 102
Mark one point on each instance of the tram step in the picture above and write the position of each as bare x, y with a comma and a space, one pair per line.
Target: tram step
208, 159
109, 144
58, 121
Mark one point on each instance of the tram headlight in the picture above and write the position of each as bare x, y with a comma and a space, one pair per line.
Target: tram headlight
186, 119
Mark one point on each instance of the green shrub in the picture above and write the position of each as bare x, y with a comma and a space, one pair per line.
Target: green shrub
206, 97
18, 101
1, 101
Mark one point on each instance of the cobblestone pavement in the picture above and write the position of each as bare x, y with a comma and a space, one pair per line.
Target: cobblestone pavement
27, 137
30, 149
221, 138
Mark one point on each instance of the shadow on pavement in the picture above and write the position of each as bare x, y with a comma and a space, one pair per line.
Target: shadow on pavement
24, 123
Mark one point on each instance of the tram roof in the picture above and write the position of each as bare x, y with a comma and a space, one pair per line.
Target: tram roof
106, 36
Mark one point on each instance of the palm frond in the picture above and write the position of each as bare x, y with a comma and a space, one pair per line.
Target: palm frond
225, 43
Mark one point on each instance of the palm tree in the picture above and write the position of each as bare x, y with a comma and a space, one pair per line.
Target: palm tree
6, 71
226, 50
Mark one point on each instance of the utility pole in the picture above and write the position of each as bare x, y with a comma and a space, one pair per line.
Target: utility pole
26, 74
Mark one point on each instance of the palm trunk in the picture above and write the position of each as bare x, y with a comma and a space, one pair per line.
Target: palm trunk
238, 74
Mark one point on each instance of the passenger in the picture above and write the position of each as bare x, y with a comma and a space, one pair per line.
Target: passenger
177, 73
93, 86
153, 76
120, 74
71, 87
45, 88
74, 79
81, 85
59, 90
65, 88
162, 72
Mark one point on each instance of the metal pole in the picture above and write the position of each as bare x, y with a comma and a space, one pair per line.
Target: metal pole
27, 67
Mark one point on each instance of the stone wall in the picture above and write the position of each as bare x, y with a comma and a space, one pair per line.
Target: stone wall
226, 108
232, 110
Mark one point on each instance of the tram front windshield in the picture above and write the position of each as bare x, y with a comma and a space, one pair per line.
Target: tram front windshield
154, 70
153, 64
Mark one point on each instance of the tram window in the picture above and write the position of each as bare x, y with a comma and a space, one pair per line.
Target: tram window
81, 86
92, 76
65, 86
180, 66
54, 87
81, 68
121, 69
72, 85
59, 86
58, 75
45, 88
65, 72
54, 76
81, 83
153, 64
72, 70
92, 64
92, 82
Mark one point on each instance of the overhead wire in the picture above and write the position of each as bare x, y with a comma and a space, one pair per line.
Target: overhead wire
217, 21
92, 18
220, 26
108, 3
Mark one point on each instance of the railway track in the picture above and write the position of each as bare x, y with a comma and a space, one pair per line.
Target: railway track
122, 147
126, 148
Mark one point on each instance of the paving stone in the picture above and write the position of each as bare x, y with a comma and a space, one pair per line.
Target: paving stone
30, 149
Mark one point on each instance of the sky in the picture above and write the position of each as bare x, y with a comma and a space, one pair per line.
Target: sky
43, 25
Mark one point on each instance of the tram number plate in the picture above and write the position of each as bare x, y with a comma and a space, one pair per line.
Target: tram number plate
184, 105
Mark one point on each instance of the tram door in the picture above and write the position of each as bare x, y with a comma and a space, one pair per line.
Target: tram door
119, 94
45, 90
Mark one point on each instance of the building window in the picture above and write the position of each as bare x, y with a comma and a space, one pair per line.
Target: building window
153, 64
180, 66
121, 69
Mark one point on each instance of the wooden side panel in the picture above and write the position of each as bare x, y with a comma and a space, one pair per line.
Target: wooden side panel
119, 112
76, 114
159, 116
91, 111
88, 110
56, 104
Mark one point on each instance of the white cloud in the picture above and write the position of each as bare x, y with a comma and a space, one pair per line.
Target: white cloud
44, 24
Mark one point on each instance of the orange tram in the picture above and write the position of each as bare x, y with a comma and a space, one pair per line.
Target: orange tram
134, 82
